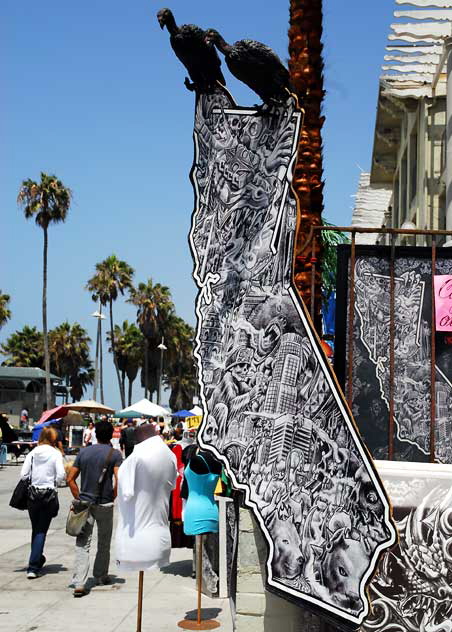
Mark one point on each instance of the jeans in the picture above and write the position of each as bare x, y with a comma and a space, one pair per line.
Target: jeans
40, 516
103, 516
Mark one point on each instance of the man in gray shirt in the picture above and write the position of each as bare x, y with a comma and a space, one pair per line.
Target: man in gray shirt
98, 465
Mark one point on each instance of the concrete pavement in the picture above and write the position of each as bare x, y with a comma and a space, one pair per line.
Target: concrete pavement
46, 604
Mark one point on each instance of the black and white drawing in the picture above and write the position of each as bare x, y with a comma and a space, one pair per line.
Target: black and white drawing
412, 356
274, 414
412, 589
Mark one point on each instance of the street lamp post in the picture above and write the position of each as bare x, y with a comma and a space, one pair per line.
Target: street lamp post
100, 317
162, 348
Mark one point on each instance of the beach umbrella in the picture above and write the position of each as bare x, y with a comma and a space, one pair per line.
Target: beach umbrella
53, 413
90, 406
74, 418
37, 429
183, 414
130, 414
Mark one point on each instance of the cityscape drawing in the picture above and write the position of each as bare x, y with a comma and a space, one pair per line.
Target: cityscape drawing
273, 412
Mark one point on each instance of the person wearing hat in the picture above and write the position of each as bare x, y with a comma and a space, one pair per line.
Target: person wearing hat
234, 387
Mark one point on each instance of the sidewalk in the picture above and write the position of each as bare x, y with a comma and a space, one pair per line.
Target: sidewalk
46, 604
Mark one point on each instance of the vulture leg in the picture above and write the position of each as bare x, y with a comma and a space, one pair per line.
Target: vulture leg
264, 109
189, 85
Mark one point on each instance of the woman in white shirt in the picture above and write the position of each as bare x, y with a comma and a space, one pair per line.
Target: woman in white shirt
44, 466
89, 435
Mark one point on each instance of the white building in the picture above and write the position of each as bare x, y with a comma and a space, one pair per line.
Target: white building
410, 140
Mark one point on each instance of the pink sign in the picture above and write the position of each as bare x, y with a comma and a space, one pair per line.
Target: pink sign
443, 302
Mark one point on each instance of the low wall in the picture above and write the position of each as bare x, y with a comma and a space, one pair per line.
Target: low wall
257, 609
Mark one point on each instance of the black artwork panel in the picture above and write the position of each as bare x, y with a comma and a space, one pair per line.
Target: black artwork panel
412, 351
274, 414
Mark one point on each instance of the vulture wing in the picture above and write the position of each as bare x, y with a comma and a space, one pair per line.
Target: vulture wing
259, 68
200, 59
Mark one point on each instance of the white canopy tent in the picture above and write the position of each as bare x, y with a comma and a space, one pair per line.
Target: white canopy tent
146, 407
197, 411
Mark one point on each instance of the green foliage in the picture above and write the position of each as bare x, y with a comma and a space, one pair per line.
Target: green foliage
129, 351
80, 380
330, 240
5, 312
154, 310
24, 348
69, 357
69, 354
157, 319
180, 369
47, 201
112, 277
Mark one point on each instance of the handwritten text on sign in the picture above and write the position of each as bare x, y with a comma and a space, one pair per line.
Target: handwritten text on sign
443, 302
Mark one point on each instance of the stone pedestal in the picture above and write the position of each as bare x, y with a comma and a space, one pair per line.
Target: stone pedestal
257, 609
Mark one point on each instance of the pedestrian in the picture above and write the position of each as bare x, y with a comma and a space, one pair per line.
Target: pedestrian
88, 435
61, 441
127, 440
44, 467
24, 415
98, 465
9, 436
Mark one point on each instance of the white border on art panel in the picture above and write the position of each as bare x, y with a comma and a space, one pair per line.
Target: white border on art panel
204, 291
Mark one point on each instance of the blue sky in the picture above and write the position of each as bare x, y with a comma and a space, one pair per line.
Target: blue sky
93, 93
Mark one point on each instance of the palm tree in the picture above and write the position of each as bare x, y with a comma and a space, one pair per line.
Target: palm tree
69, 354
5, 312
48, 202
129, 350
24, 348
155, 308
306, 73
330, 241
180, 370
112, 278
81, 379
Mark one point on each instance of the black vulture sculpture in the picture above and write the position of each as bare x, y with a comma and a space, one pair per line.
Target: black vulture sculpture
256, 65
199, 58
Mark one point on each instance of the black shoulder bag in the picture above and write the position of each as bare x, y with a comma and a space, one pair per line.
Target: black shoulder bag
19, 498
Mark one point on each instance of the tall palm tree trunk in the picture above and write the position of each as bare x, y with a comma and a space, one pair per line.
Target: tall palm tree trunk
115, 360
44, 321
146, 366
159, 388
129, 398
123, 385
306, 72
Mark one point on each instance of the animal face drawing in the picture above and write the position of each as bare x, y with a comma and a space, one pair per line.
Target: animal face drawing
288, 560
342, 564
